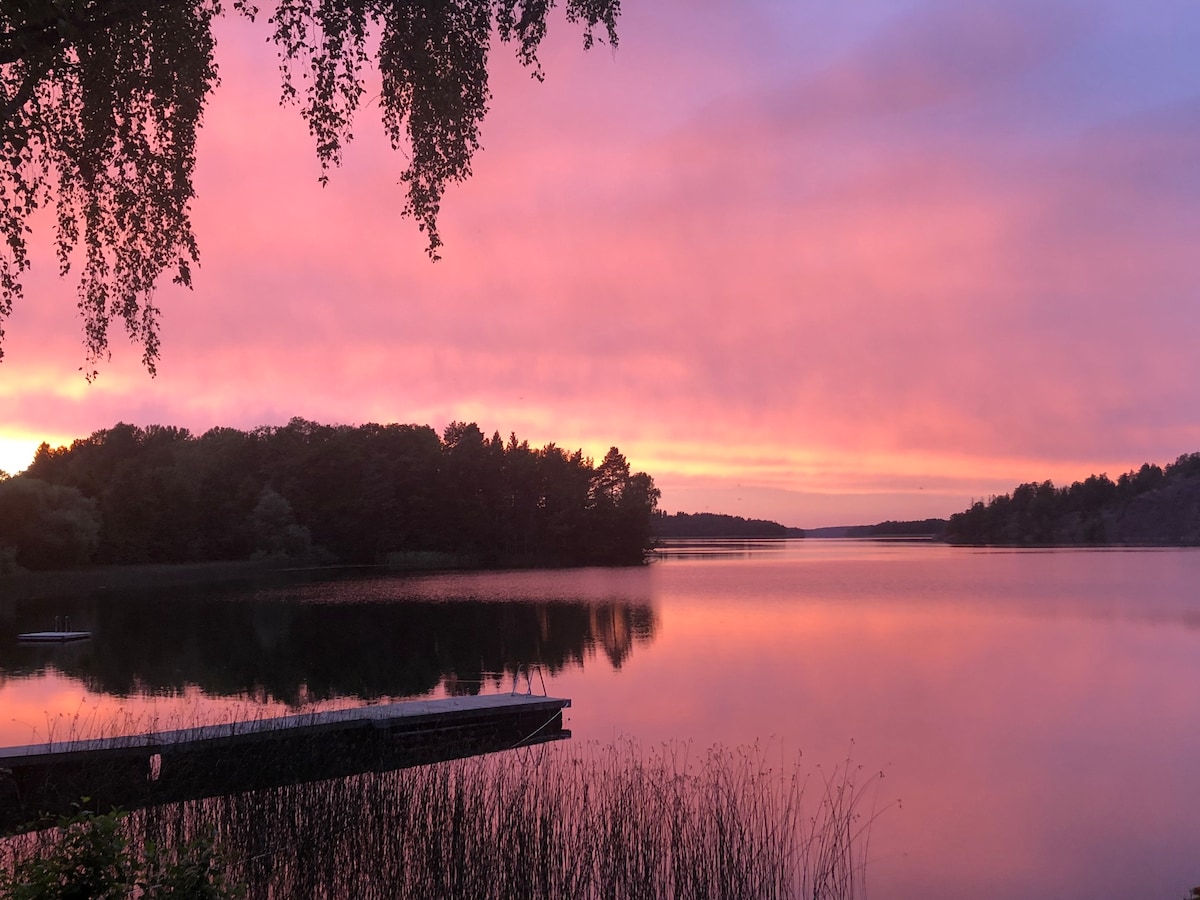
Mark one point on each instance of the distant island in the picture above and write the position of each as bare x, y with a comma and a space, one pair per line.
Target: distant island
923, 528
716, 525
311, 493
1153, 506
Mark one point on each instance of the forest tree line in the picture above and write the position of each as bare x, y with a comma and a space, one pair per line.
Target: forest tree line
331, 493
1151, 506
907, 528
716, 525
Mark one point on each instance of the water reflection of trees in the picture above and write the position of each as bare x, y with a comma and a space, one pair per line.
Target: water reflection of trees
718, 548
300, 652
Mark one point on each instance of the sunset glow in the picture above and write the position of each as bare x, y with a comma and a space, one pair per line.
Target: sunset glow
816, 264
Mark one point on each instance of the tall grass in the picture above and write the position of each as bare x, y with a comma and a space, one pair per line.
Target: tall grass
556, 821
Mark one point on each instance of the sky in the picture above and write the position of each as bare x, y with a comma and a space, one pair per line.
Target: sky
822, 263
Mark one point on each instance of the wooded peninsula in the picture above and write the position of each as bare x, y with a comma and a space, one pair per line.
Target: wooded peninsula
305, 492
1154, 506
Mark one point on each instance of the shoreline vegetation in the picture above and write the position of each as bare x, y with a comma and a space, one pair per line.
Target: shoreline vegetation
84, 580
233, 504
1151, 507
611, 820
716, 525
310, 494
922, 529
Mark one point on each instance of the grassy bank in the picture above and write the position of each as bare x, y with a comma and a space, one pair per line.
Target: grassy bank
86, 580
70, 582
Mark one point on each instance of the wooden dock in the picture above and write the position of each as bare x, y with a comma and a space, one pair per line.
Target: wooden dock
53, 637
211, 760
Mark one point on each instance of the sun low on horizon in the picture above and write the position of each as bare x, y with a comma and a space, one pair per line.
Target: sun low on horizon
821, 265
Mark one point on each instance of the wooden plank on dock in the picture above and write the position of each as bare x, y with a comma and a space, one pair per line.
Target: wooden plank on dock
409, 715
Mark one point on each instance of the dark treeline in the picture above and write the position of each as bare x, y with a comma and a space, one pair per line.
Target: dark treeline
1152, 506
926, 528
890, 529
696, 525
322, 492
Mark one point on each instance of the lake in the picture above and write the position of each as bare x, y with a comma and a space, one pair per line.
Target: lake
1035, 714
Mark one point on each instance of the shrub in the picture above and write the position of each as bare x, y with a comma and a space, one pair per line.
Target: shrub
87, 857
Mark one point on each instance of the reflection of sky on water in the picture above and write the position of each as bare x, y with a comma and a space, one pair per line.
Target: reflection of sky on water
57, 707
1035, 713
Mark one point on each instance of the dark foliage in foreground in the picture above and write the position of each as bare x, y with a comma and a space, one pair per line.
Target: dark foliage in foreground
101, 102
371, 493
89, 856
612, 822
1152, 506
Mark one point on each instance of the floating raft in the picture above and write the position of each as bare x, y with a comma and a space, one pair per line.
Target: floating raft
212, 760
53, 637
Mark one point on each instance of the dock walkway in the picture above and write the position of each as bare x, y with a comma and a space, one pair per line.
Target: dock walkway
52, 637
409, 716
209, 760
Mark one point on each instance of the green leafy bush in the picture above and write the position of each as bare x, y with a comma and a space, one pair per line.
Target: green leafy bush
87, 857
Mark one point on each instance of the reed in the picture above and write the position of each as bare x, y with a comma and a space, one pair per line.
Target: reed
615, 821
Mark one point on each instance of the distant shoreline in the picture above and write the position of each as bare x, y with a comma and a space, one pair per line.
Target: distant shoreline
38, 585
63, 582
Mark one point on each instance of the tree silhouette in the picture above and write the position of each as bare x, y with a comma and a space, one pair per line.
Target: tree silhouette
1150, 506
100, 102
44, 526
317, 492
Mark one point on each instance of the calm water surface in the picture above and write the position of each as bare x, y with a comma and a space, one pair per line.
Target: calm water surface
1036, 714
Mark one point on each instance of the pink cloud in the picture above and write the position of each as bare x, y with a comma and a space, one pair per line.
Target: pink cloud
870, 267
